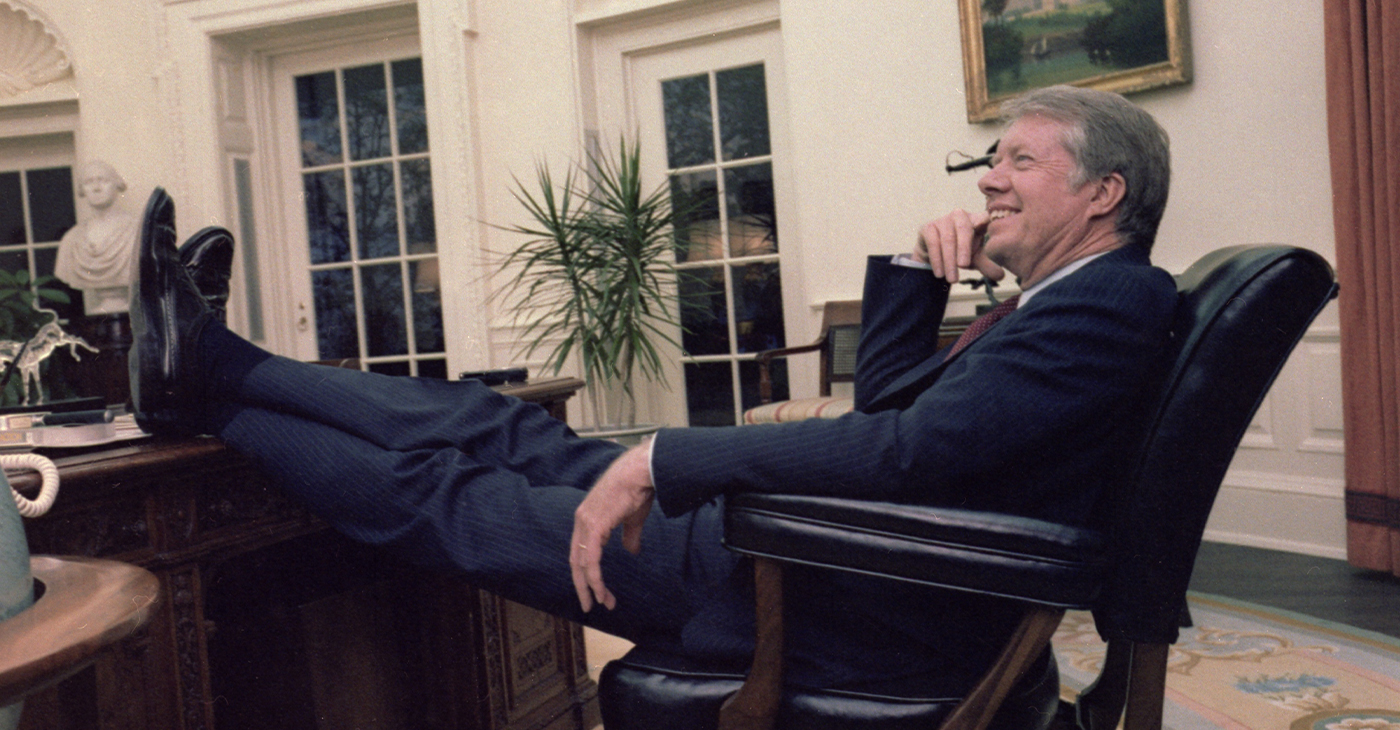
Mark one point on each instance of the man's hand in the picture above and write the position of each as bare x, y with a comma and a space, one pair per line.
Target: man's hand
954, 242
622, 496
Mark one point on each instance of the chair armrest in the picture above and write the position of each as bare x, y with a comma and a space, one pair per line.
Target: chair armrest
980, 552
769, 355
765, 362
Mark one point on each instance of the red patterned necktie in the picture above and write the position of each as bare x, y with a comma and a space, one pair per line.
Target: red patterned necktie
983, 323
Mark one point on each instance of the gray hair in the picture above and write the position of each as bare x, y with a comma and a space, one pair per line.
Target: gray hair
1107, 134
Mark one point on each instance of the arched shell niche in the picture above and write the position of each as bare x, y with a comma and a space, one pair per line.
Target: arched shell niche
32, 51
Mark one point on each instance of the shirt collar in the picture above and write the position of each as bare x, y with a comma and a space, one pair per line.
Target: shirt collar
1055, 276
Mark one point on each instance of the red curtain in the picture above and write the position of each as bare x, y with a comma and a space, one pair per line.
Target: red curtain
1363, 103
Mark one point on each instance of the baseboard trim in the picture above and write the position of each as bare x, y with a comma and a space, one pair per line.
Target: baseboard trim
1272, 543
1263, 481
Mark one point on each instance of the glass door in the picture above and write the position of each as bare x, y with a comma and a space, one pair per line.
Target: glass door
361, 201
707, 117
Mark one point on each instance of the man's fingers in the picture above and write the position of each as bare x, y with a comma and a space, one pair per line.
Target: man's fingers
588, 577
988, 267
585, 597
585, 562
949, 233
953, 243
621, 496
578, 566
934, 243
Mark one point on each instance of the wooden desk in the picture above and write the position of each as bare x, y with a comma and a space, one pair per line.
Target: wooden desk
269, 619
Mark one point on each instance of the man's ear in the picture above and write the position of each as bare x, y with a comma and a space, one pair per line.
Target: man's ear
1108, 193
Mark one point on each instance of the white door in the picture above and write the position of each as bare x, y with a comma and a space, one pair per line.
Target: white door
354, 164
710, 120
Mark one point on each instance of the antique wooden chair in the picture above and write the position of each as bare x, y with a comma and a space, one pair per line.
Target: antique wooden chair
840, 333
1241, 311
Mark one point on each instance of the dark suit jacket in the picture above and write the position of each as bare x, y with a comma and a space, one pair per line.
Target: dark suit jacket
1030, 419
1027, 420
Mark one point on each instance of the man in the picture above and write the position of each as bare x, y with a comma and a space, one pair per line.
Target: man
1029, 419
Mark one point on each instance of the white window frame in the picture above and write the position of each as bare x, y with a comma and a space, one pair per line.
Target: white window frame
610, 52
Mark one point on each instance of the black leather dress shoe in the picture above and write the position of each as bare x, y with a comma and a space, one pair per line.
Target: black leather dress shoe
208, 257
167, 315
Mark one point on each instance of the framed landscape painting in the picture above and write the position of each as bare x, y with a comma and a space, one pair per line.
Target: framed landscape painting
1011, 46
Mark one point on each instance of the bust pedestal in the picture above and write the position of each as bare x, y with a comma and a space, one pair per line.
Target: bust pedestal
104, 373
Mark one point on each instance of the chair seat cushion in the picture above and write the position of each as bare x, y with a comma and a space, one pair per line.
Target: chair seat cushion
647, 689
981, 552
799, 409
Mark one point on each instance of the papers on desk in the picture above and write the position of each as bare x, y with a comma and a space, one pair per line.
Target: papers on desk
25, 431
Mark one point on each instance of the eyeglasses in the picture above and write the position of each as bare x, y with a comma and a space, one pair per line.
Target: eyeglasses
968, 161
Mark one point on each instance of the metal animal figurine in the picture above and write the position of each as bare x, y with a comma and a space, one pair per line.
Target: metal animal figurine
26, 357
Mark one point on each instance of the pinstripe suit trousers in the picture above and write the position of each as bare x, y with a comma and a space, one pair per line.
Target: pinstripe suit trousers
454, 476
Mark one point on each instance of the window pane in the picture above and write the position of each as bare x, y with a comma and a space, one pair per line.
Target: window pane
408, 105
748, 201
15, 261
389, 368
328, 229
427, 305
419, 222
318, 114
748, 382
704, 314
689, 127
367, 112
335, 314
709, 393
376, 211
695, 198
51, 203
11, 210
382, 290
432, 369
743, 112
43, 266
758, 307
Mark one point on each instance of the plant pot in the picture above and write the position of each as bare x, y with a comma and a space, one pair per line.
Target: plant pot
625, 435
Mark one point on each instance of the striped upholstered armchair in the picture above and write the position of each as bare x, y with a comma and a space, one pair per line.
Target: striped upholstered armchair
836, 345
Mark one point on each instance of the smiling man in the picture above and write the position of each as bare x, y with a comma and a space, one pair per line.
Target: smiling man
1030, 418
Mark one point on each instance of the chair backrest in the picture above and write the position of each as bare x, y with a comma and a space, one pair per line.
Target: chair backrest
840, 335
1241, 311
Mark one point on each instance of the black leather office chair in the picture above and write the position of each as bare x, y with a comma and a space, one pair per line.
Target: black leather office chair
1241, 312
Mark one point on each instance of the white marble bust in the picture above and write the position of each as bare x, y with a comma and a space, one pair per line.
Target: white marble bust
96, 255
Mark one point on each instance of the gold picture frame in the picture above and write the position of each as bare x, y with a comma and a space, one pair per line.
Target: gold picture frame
1074, 42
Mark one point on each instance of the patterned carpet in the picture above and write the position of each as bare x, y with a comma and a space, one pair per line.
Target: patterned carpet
1247, 667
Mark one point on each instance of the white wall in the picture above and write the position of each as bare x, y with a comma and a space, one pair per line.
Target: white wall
877, 101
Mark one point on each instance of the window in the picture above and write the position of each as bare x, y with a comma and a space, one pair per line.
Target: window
366, 194
36, 208
719, 160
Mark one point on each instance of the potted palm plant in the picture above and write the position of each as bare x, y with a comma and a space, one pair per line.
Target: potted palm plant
596, 280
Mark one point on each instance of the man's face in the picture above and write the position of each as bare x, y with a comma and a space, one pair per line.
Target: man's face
1039, 217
